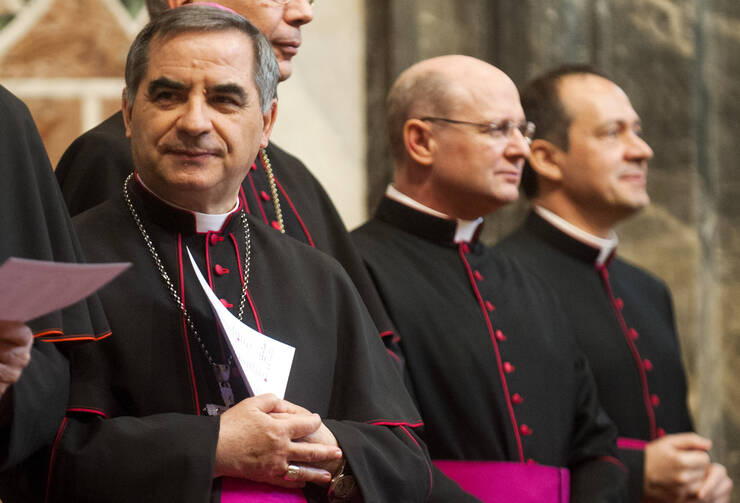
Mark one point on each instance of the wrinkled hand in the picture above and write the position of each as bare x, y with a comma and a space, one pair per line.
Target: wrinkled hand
259, 436
716, 487
322, 436
15, 352
676, 467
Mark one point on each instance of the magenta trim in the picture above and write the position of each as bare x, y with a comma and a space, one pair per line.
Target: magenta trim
614, 461
88, 411
394, 355
387, 333
295, 212
497, 481
245, 491
185, 327
492, 335
604, 273
426, 459
388, 423
58, 437
257, 198
634, 444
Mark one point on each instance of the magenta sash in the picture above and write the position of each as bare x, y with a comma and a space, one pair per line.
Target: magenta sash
235, 490
497, 481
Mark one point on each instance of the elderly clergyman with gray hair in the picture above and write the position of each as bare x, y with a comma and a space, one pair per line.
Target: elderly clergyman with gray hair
159, 411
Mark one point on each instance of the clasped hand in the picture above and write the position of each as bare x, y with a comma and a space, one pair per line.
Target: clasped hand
260, 436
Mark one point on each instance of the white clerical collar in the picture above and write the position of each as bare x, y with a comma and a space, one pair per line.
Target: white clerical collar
605, 245
465, 229
204, 222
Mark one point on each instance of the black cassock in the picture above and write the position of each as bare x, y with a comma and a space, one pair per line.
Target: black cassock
136, 430
488, 353
34, 224
637, 365
93, 168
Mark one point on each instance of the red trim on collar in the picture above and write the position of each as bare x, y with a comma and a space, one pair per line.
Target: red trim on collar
70, 338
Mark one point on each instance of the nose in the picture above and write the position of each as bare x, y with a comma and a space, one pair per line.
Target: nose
517, 146
638, 149
298, 13
195, 119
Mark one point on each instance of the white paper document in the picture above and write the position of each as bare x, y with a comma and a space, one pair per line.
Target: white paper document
32, 288
264, 363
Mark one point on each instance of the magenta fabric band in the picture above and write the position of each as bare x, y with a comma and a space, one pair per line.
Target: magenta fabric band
216, 5
634, 444
245, 491
496, 481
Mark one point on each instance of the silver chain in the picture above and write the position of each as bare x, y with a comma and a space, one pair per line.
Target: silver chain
170, 285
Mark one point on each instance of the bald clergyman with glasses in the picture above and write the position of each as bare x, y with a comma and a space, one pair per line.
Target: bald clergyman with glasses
508, 402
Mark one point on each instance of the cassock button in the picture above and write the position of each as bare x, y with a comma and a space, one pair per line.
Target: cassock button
517, 398
215, 238
490, 306
525, 430
634, 334
264, 195
655, 400
275, 224
619, 303
221, 270
253, 167
226, 303
531, 461
660, 432
477, 275
465, 248
500, 335
647, 364
508, 367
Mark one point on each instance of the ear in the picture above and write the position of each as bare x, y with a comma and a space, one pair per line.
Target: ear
418, 140
268, 121
177, 3
546, 159
126, 108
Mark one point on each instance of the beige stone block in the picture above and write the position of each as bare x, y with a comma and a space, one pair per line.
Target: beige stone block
72, 39
59, 123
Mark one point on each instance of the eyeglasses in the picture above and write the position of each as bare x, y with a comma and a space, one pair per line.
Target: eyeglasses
286, 2
501, 129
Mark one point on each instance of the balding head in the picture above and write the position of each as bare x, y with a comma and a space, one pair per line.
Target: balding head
456, 128
436, 87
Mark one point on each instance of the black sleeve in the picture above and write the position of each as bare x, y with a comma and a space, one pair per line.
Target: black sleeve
164, 457
597, 475
32, 409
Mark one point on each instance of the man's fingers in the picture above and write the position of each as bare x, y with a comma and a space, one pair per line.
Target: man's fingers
290, 408
717, 485
694, 461
265, 403
689, 441
313, 453
298, 426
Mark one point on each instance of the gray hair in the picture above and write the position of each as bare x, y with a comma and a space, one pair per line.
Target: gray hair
203, 18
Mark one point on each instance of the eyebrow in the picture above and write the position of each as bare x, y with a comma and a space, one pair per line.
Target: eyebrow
164, 83
230, 89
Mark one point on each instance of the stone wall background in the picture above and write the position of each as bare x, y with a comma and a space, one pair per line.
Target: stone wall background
677, 60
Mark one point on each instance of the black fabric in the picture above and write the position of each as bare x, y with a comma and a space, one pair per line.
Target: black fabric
35, 224
568, 266
94, 167
149, 383
464, 377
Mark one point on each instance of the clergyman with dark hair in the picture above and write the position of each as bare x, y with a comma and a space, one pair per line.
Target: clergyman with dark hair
159, 411
586, 173
278, 189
